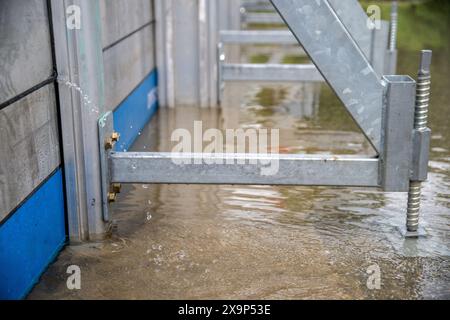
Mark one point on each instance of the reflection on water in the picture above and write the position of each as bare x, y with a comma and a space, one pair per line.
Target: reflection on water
267, 242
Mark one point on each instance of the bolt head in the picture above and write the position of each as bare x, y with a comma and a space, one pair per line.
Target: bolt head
115, 136
116, 187
112, 197
109, 143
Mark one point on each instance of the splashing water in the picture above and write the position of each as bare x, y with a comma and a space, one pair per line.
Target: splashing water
85, 99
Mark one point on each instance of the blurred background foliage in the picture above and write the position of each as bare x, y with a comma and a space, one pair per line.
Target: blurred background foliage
422, 24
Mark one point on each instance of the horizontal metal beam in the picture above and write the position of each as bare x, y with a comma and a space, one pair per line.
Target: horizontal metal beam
254, 2
258, 7
271, 72
262, 18
258, 37
274, 169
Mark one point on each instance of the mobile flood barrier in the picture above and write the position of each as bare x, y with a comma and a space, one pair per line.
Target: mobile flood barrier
391, 111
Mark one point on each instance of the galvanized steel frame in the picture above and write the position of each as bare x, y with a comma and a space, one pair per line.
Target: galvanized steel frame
383, 107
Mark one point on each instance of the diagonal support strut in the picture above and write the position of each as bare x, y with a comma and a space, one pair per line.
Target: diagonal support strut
339, 59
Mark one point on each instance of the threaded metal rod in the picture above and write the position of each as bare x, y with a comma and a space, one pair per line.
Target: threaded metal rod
422, 101
420, 123
394, 26
413, 211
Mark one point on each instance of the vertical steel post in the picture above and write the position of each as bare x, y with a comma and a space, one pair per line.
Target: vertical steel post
380, 55
220, 62
398, 132
79, 61
420, 125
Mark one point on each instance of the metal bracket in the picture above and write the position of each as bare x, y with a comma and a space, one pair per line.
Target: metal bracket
106, 143
397, 132
421, 155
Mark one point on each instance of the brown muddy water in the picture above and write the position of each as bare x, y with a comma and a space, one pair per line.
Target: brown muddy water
263, 242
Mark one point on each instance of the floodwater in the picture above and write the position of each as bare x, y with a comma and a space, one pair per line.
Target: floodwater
265, 242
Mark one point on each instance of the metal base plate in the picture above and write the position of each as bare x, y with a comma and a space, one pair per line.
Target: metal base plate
420, 233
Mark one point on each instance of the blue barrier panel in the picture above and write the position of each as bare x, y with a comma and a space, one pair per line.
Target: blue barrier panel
31, 238
131, 116
35, 233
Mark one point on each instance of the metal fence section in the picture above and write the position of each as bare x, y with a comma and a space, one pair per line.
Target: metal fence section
271, 72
